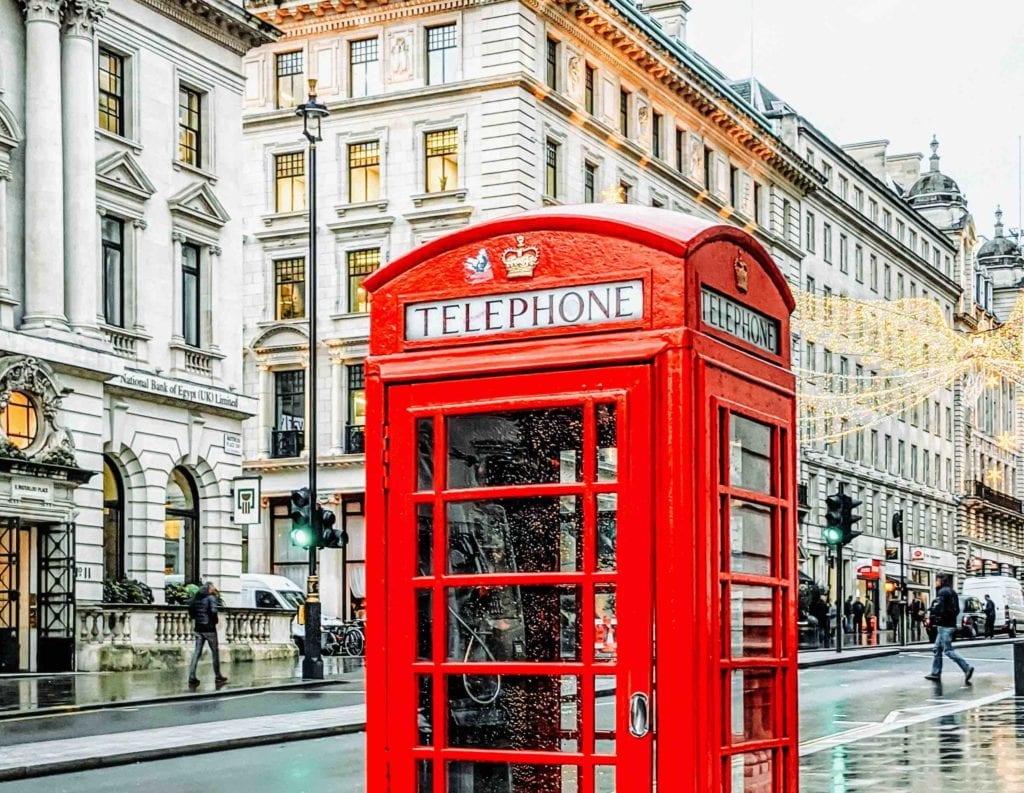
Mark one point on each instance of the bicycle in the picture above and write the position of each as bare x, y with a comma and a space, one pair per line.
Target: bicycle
353, 638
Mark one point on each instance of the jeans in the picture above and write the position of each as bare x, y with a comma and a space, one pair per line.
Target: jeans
210, 639
944, 645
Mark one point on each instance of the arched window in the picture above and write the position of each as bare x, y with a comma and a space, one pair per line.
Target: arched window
20, 420
181, 527
113, 522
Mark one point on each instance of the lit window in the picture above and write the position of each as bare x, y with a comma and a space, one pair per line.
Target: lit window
442, 160
290, 288
364, 69
289, 79
360, 264
111, 92
290, 182
189, 124
19, 420
364, 172
589, 182
441, 54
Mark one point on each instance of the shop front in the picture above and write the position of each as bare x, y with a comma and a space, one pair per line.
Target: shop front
579, 419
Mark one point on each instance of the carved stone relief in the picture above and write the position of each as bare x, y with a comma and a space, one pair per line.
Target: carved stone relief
400, 55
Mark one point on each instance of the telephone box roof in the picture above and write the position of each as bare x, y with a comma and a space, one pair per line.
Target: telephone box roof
673, 232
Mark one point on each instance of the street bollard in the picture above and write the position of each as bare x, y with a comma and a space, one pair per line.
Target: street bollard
1018, 668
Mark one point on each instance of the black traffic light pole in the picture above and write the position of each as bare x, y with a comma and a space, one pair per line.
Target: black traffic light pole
897, 529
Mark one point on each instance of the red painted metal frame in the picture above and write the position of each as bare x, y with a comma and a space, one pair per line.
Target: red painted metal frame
696, 372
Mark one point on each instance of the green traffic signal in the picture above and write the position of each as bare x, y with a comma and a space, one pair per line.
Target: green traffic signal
302, 536
833, 534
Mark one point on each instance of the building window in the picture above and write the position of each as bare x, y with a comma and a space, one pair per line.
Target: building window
442, 160
290, 182
190, 303
626, 192
181, 527
289, 413
589, 182
588, 89
551, 64
810, 232
190, 120
19, 420
551, 169
113, 522
873, 210
734, 185
709, 164
844, 187
826, 242
656, 123
887, 282
355, 431
289, 79
887, 221
811, 283
360, 264
290, 288
826, 169
112, 238
874, 272
858, 199
111, 92
441, 52
787, 220
680, 152
624, 112
364, 172
844, 264
364, 71
900, 293
858, 263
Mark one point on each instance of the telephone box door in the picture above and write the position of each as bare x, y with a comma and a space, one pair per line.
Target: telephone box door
519, 570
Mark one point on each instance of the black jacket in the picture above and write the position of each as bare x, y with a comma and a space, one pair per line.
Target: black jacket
946, 608
204, 610
990, 609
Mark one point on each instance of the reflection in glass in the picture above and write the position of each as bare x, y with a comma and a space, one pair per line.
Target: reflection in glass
513, 623
424, 625
750, 538
425, 710
750, 454
750, 621
604, 714
533, 712
424, 776
604, 779
515, 447
605, 624
424, 539
750, 695
752, 772
606, 531
540, 534
477, 777
425, 454
607, 444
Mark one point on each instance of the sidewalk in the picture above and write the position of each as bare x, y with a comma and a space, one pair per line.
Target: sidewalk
859, 652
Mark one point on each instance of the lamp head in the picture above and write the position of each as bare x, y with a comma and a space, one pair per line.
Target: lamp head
312, 113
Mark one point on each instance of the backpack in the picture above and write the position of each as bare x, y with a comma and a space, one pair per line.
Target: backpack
193, 607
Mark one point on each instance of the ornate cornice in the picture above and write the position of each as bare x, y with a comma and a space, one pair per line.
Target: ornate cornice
43, 10
219, 20
81, 17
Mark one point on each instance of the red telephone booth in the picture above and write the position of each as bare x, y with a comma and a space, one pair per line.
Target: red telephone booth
580, 451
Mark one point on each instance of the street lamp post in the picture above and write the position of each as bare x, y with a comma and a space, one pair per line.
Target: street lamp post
312, 113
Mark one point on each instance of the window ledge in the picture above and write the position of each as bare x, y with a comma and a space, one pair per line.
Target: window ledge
550, 201
191, 361
380, 205
178, 165
426, 198
284, 323
283, 217
134, 145
351, 315
126, 343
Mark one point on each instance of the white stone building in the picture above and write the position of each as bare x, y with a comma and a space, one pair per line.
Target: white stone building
120, 354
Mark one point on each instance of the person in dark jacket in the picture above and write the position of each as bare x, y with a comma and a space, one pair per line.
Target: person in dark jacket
819, 610
945, 612
858, 616
990, 618
203, 610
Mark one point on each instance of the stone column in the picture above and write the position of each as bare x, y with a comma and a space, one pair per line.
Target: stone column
337, 407
212, 276
44, 166
7, 301
265, 416
176, 285
81, 248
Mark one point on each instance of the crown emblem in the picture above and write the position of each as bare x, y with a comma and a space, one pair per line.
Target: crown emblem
740, 268
520, 261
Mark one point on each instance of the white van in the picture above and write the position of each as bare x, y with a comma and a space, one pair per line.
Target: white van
265, 591
1005, 592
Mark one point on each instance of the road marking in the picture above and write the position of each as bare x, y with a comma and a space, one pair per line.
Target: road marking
893, 722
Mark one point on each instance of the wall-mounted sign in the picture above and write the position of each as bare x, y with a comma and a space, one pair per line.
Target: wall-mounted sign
178, 389
514, 312
738, 320
233, 444
247, 500
31, 489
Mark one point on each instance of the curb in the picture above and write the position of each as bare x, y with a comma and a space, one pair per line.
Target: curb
846, 658
55, 710
166, 753
830, 657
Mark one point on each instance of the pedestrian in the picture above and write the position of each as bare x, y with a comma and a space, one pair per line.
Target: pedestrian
916, 618
946, 609
833, 622
990, 618
203, 610
848, 614
869, 613
819, 610
858, 616
894, 618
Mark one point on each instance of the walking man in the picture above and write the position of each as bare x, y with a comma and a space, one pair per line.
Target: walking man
819, 610
858, 616
916, 618
203, 609
848, 614
946, 610
990, 618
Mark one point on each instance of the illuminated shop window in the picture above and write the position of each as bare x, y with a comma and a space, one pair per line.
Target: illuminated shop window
19, 420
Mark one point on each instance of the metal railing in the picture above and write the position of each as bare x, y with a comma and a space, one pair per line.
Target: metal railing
993, 496
355, 439
287, 443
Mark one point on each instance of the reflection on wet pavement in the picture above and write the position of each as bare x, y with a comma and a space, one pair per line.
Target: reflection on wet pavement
980, 750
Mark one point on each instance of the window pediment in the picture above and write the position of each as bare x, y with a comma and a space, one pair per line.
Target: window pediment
199, 204
282, 337
121, 173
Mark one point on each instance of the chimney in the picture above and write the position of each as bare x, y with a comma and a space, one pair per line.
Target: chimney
671, 14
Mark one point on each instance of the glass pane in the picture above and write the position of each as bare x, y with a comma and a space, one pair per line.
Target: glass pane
515, 535
424, 776
604, 779
424, 625
750, 454
750, 538
750, 702
605, 624
474, 777
513, 623
515, 448
751, 772
606, 530
513, 712
425, 710
604, 714
751, 617
424, 539
425, 458
607, 444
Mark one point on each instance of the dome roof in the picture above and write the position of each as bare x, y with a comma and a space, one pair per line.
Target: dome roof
935, 186
999, 246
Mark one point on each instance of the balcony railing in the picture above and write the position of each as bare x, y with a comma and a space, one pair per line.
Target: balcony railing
287, 443
123, 343
198, 362
355, 439
992, 496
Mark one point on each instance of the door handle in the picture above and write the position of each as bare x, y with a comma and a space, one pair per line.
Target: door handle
639, 715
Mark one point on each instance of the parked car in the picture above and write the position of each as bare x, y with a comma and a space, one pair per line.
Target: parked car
807, 630
966, 627
1008, 596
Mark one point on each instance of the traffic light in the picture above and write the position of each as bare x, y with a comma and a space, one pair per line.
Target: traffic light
897, 524
833, 531
330, 537
302, 533
849, 504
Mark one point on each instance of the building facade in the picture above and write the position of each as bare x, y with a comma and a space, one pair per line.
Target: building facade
120, 359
